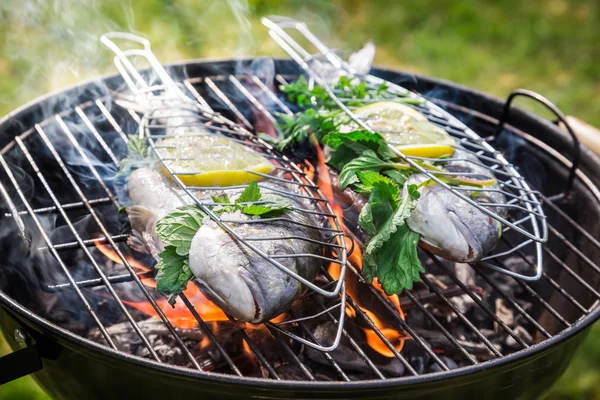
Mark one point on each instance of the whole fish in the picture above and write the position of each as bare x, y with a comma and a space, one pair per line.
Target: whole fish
449, 226
237, 279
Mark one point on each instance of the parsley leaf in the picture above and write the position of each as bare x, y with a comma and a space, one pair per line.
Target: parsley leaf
136, 147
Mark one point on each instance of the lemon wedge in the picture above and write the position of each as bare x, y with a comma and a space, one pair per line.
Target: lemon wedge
405, 129
203, 159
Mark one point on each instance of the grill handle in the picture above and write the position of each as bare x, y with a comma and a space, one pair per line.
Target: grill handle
576, 154
21, 362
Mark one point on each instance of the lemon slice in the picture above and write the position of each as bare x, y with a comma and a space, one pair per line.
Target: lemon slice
405, 129
211, 160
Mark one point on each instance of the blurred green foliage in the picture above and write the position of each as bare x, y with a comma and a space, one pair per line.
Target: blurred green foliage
550, 46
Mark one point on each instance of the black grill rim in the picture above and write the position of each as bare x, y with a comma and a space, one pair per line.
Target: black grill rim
423, 83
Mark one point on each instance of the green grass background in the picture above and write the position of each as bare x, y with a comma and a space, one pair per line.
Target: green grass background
550, 46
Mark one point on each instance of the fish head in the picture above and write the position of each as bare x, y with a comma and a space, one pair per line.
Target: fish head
451, 227
240, 281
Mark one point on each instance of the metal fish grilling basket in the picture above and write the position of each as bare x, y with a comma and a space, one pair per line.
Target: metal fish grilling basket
168, 111
523, 209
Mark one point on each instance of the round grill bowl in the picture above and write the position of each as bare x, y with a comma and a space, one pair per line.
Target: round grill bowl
67, 365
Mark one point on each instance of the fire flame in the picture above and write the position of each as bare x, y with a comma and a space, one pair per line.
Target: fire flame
179, 315
374, 341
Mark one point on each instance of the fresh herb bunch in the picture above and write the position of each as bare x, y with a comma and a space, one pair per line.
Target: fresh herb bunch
320, 114
354, 92
177, 229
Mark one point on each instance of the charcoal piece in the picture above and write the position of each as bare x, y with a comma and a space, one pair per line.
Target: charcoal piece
346, 357
416, 356
450, 363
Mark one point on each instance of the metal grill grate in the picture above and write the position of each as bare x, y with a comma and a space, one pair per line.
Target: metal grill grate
211, 91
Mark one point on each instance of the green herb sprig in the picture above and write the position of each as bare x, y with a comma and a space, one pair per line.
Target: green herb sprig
177, 229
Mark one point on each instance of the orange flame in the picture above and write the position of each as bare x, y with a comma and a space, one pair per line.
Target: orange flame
394, 337
179, 315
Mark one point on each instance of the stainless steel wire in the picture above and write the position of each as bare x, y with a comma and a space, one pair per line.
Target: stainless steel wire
169, 112
536, 231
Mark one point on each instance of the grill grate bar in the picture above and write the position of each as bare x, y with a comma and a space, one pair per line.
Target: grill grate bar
271, 95
208, 332
351, 340
513, 303
63, 267
85, 158
87, 242
111, 120
574, 249
327, 356
286, 348
418, 339
536, 296
68, 206
570, 220
461, 316
188, 85
571, 273
479, 302
227, 102
74, 231
444, 331
251, 98
96, 134
89, 283
115, 248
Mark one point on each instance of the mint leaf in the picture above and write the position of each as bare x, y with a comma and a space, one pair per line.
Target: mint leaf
398, 176
391, 253
173, 273
177, 229
348, 146
398, 264
394, 221
368, 161
136, 147
367, 180
365, 219
250, 193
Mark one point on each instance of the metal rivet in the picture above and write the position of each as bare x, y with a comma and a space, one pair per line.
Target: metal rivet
22, 338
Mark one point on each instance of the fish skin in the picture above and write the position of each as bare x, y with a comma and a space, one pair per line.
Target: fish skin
243, 283
464, 235
449, 226
239, 281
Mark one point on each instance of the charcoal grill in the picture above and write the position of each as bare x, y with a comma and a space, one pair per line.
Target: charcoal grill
49, 137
